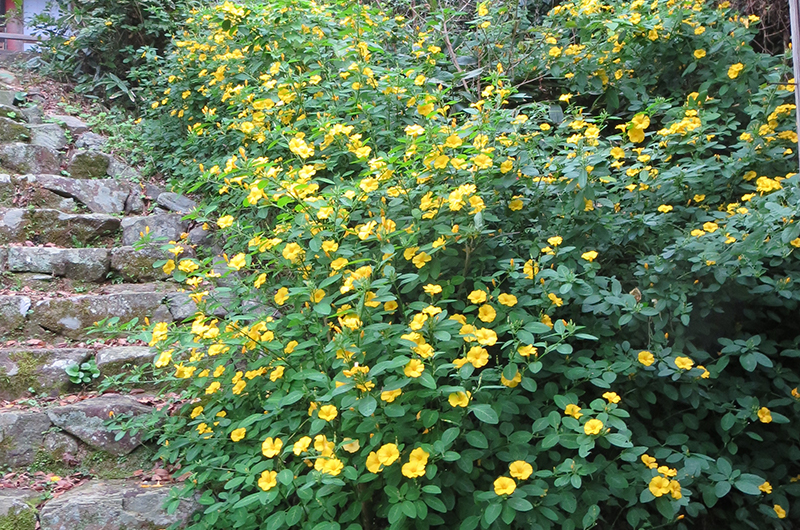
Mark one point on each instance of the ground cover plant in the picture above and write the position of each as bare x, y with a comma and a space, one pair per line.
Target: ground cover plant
556, 289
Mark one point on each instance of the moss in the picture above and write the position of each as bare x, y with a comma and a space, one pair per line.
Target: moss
27, 375
23, 519
98, 464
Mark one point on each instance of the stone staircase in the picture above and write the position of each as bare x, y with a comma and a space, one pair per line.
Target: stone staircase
71, 220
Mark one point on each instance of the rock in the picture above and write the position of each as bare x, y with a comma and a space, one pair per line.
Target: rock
134, 203
15, 113
121, 170
73, 124
99, 195
48, 135
181, 306
17, 509
176, 203
88, 165
59, 444
113, 361
6, 187
26, 158
53, 226
113, 505
40, 369
21, 436
13, 313
152, 191
11, 131
85, 264
3, 258
7, 77
137, 265
86, 420
200, 236
71, 316
33, 114
165, 226
8, 97
90, 140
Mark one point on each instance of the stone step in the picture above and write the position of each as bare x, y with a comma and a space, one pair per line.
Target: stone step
41, 315
87, 264
18, 225
41, 371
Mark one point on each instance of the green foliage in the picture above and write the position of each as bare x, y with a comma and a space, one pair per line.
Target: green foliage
577, 309
102, 44
83, 373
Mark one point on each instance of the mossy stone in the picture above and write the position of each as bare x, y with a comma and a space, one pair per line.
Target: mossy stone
88, 165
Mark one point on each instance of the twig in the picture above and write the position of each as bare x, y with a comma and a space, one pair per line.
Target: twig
450, 51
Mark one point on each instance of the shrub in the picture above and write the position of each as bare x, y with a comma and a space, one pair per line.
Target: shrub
486, 316
100, 44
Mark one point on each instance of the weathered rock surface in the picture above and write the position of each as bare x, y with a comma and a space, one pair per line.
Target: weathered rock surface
75, 125
111, 361
137, 265
33, 114
13, 311
21, 436
86, 420
17, 509
18, 225
99, 195
40, 369
164, 226
71, 316
8, 97
90, 140
15, 113
175, 202
113, 505
12, 131
27, 158
86, 264
88, 164
48, 135
121, 170
200, 236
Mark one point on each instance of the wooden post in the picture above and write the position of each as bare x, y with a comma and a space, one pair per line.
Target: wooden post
794, 15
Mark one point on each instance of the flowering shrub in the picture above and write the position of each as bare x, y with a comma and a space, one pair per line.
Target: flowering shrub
466, 315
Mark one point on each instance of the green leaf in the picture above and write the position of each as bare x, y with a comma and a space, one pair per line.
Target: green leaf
491, 513
519, 504
477, 439
367, 405
591, 516
485, 413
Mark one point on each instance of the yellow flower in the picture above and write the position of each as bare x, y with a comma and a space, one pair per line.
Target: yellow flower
487, 313
414, 368
388, 454
592, 427
515, 204
329, 466
649, 461
527, 350
478, 356
766, 487
589, 256
188, 266
238, 434
646, 358
390, 395
684, 363
699, 54
779, 511
164, 359
225, 221
292, 251
504, 486
168, 267
520, 469
795, 242
573, 410
414, 130
612, 397
459, 399
477, 297
373, 463
734, 70
558, 302
271, 447
486, 337
268, 480
196, 412
277, 373
420, 260
482, 11
328, 412
555, 241
659, 486
213, 387
237, 262
301, 445
432, 289
508, 300
282, 296
764, 415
